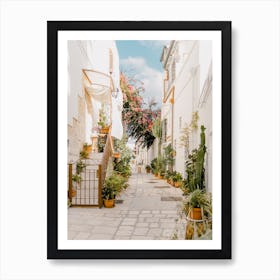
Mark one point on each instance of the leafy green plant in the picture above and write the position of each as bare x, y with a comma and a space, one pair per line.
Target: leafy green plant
194, 121
85, 145
101, 142
76, 178
148, 168
177, 177
188, 129
157, 128
157, 132
122, 164
184, 187
160, 165
153, 165
103, 120
83, 154
169, 154
168, 174
195, 165
109, 192
113, 186
198, 199
80, 166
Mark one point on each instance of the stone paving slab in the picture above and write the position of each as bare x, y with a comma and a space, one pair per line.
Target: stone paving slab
142, 215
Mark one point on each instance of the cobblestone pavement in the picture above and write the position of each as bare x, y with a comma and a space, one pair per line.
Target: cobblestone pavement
148, 209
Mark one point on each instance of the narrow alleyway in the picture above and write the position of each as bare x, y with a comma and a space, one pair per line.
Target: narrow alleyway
148, 209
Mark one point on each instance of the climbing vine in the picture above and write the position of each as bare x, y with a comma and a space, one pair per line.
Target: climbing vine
187, 130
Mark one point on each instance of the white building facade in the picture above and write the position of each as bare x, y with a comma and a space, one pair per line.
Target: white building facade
93, 79
187, 100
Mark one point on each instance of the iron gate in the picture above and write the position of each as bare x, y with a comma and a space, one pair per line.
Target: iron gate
85, 189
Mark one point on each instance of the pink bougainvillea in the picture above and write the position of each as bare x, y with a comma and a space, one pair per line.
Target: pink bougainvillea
138, 119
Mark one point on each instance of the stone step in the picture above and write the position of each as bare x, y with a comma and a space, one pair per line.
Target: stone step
96, 156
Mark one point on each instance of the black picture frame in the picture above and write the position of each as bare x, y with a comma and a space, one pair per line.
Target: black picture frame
52, 129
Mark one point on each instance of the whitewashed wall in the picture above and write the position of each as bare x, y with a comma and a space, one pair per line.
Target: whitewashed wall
204, 105
86, 55
193, 60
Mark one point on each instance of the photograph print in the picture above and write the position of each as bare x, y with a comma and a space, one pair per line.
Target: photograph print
141, 139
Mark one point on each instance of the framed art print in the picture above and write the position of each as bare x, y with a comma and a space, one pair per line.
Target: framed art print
139, 140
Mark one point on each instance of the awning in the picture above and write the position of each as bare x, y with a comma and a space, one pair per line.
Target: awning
98, 85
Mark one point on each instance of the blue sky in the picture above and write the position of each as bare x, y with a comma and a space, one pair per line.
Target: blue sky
141, 59
150, 50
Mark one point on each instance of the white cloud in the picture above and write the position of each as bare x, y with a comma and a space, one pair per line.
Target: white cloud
155, 44
138, 68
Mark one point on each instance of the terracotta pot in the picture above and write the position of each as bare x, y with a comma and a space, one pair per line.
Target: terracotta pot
189, 231
72, 193
104, 130
177, 184
88, 149
109, 203
116, 155
195, 214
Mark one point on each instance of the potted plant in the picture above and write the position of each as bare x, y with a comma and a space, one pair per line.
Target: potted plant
153, 166
108, 195
169, 156
167, 176
161, 174
104, 130
116, 155
80, 166
77, 180
101, 142
177, 179
103, 122
195, 165
84, 154
112, 186
72, 193
172, 175
159, 166
148, 168
87, 148
184, 187
198, 204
